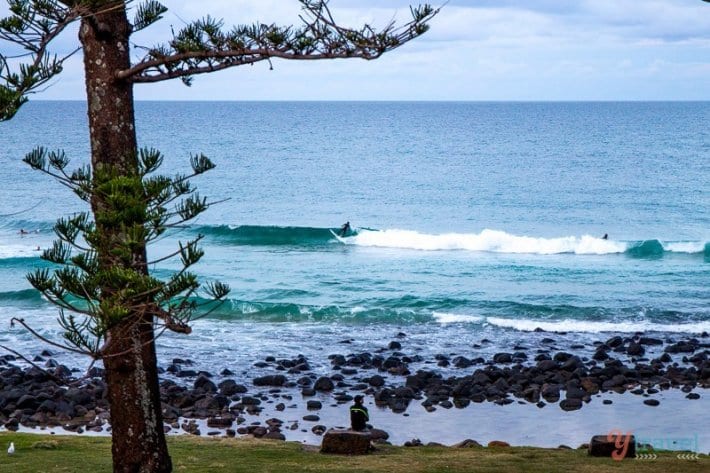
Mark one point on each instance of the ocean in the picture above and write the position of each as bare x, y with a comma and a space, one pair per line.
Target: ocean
474, 222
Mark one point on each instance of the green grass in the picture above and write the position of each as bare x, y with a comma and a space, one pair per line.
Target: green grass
44, 453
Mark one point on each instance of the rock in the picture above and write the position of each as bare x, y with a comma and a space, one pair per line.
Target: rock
616, 446
498, 443
462, 362
635, 349
229, 387
274, 435
257, 431
547, 365
378, 434
600, 355
395, 345
550, 392
324, 384
311, 418
250, 401
468, 443
304, 381
186, 374
346, 442
571, 404
680, 347
693, 396
562, 356
204, 383
651, 402
220, 422
589, 385
270, 380
650, 341
376, 381
319, 429
503, 358
615, 342
313, 405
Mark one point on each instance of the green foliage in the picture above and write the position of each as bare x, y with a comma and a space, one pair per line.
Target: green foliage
102, 278
148, 13
31, 26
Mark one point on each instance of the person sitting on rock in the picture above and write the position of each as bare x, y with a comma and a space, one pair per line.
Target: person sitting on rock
358, 414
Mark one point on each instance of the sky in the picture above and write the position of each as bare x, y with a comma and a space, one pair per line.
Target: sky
476, 50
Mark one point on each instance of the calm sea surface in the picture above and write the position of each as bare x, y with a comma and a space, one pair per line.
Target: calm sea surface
473, 220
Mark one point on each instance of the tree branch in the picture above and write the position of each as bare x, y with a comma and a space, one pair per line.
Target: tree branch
203, 46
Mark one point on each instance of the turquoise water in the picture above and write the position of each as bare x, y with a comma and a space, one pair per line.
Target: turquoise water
473, 220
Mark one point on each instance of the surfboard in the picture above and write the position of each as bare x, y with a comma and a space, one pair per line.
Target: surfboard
338, 237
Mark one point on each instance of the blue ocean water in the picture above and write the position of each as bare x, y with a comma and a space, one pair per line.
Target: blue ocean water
472, 220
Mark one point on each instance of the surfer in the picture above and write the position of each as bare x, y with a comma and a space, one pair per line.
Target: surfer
344, 229
23, 231
605, 237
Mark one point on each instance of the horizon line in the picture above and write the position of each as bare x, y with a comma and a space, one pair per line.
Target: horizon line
399, 100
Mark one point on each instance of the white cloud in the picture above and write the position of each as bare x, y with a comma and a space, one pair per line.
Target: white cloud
476, 50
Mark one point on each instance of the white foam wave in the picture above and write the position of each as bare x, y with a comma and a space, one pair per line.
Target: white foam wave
488, 240
446, 318
17, 251
526, 325
685, 246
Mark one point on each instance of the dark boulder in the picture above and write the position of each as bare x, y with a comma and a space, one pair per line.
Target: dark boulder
376, 381
270, 380
346, 442
205, 384
571, 404
635, 349
503, 358
229, 387
550, 392
314, 405
324, 384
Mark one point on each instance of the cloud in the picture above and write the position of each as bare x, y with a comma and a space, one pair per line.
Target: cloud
475, 50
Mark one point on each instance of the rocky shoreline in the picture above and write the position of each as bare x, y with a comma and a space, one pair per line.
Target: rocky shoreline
200, 402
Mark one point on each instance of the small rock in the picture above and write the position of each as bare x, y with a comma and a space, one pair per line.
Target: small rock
498, 443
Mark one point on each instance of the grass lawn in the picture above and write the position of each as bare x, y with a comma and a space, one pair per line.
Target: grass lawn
45, 453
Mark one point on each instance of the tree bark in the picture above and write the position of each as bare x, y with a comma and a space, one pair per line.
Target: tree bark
130, 360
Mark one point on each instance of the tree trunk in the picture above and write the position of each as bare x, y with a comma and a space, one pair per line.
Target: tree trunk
130, 359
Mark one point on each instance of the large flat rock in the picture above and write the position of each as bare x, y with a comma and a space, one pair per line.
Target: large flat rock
346, 442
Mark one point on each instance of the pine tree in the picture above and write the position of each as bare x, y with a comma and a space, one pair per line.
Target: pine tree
111, 308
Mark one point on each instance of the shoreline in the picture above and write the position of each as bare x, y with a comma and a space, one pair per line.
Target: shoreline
507, 397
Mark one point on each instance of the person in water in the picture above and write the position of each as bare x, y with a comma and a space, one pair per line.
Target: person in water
358, 414
344, 229
605, 237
